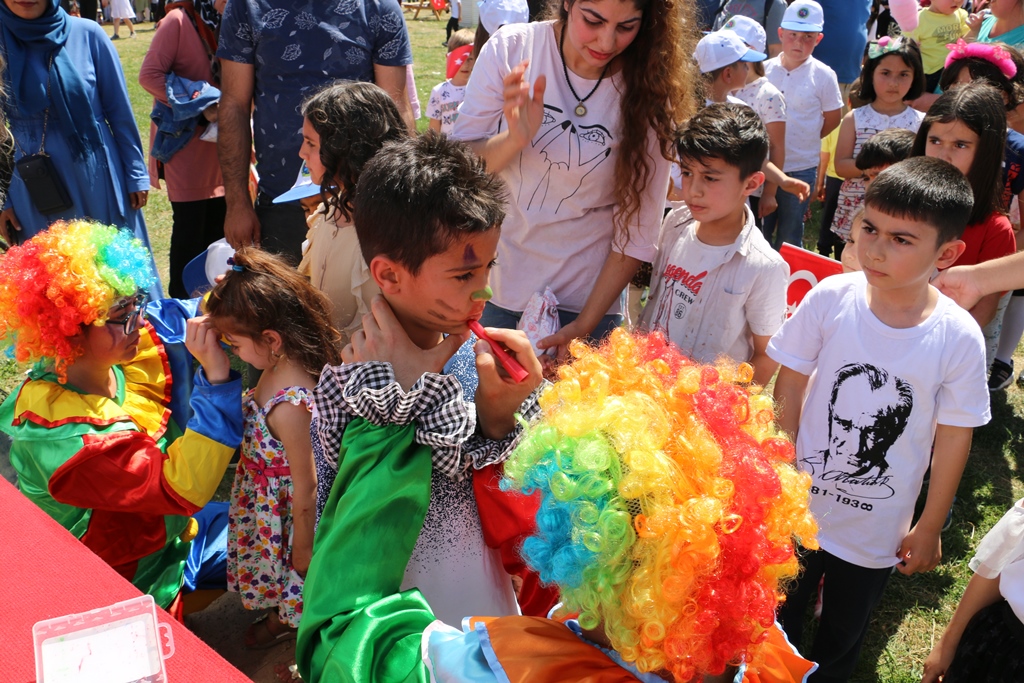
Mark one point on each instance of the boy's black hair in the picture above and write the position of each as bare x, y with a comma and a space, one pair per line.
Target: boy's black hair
924, 189
726, 131
910, 52
885, 148
979, 106
419, 195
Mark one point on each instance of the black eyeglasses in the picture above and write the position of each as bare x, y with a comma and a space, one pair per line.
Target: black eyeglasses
132, 320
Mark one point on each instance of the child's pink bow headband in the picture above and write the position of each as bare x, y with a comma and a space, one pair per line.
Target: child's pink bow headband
991, 53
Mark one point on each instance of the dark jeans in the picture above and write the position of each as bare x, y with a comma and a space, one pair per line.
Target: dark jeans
197, 225
496, 316
452, 27
282, 227
849, 596
828, 241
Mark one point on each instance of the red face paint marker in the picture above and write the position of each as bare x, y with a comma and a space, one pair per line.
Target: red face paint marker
511, 365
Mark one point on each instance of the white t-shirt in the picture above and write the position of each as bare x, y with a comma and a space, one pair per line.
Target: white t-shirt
456, 7
709, 300
444, 103
874, 397
1001, 555
559, 230
810, 90
769, 103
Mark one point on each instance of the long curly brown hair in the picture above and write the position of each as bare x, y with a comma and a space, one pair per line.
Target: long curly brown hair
264, 293
661, 83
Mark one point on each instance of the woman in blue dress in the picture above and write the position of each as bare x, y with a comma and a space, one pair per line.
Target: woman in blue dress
64, 80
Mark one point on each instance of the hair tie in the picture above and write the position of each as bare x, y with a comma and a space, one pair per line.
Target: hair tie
234, 266
884, 46
990, 52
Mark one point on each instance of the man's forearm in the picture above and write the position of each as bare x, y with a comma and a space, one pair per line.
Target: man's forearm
234, 148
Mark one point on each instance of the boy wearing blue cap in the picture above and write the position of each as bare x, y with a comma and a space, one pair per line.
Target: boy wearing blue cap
814, 106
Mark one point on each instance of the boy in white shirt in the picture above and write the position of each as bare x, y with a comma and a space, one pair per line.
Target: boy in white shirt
724, 62
814, 108
718, 288
455, 7
445, 97
876, 367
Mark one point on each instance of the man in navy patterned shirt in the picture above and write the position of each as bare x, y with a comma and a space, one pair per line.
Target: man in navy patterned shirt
273, 54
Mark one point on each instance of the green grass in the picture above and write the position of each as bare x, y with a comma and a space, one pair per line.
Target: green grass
914, 609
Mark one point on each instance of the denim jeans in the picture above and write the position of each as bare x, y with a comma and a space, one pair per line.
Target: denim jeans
787, 223
496, 316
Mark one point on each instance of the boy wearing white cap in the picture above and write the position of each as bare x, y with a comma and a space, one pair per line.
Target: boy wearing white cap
814, 109
724, 60
764, 98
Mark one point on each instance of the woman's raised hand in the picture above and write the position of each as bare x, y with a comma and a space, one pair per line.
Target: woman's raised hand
523, 113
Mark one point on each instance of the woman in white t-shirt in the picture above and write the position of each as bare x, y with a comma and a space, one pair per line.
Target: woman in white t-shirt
586, 192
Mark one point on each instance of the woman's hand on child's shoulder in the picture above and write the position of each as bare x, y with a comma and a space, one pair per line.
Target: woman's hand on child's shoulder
384, 339
202, 340
498, 396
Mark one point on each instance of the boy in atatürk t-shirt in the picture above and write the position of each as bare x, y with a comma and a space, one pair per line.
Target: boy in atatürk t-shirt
718, 287
876, 367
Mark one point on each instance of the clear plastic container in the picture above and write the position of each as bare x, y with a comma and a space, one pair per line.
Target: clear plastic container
117, 644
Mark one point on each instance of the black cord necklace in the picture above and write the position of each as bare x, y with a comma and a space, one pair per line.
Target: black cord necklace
580, 109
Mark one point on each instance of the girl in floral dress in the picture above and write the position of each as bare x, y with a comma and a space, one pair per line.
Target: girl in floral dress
276, 321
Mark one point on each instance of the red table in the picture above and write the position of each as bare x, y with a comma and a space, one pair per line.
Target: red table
48, 573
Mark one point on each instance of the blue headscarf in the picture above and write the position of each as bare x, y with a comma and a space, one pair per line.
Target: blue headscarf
31, 38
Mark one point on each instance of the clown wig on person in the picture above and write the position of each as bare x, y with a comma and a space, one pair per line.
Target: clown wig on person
670, 504
65, 277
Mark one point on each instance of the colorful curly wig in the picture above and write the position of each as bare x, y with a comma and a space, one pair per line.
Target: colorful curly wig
65, 277
670, 504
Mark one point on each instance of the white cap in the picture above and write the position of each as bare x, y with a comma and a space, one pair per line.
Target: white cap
303, 187
496, 13
749, 31
201, 272
723, 48
805, 16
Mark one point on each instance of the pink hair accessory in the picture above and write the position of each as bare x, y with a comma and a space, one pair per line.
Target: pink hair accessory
990, 52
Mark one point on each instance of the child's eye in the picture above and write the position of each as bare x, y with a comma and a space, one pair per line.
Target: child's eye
961, 145
900, 240
492, 264
465, 277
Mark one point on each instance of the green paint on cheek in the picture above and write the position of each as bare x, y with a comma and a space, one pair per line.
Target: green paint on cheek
484, 294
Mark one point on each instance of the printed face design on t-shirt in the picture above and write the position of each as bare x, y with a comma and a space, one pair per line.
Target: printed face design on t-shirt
572, 152
868, 411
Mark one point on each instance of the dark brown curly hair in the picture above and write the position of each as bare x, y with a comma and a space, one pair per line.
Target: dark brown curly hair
661, 81
262, 292
353, 120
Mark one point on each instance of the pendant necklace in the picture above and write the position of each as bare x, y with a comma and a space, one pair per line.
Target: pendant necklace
580, 109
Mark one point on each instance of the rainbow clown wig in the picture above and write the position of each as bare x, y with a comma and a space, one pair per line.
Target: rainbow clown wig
65, 277
670, 504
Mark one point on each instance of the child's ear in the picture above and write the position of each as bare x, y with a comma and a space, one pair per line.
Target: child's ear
387, 274
820, 36
949, 253
273, 340
754, 181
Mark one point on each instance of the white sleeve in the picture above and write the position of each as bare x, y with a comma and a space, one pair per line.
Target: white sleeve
828, 91
481, 112
765, 309
798, 342
963, 398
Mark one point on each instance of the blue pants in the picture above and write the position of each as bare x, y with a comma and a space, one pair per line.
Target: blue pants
496, 316
787, 223
207, 563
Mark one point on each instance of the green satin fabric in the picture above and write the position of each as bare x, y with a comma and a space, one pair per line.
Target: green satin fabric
356, 626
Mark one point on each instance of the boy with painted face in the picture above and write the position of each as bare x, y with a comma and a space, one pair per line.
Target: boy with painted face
430, 250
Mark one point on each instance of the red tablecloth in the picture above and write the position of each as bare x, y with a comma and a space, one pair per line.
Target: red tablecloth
47, 573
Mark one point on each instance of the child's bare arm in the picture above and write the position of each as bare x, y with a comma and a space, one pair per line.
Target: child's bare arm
921, 549
434, 124
980, 593
290, 425
790, 386
985, 310
832, 119
846, 167
764, 366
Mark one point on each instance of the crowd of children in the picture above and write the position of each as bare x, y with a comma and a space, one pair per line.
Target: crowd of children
380, 424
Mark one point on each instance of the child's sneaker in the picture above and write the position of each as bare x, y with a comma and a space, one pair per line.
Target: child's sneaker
1001, 375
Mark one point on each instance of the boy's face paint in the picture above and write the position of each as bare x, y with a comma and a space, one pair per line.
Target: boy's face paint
484, 294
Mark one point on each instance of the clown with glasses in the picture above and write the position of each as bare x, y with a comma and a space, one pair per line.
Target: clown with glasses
109, 435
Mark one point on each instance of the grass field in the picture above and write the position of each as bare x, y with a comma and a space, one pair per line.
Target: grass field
914, 609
